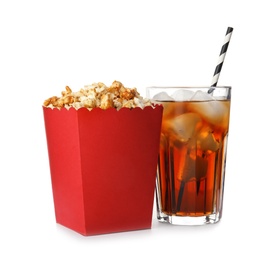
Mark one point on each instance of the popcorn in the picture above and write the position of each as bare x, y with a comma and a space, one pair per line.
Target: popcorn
99, 95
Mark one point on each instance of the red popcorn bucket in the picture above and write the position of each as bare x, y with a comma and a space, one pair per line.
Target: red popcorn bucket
103, 167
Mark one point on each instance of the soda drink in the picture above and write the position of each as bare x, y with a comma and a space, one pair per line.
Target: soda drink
192, 157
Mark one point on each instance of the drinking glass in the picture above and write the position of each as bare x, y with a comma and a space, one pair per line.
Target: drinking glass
192, 154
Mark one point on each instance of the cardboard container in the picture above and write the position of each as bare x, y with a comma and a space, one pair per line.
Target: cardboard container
103, 167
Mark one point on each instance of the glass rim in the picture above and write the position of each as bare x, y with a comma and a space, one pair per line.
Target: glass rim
195, 87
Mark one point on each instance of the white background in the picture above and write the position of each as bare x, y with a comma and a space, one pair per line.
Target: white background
46, 45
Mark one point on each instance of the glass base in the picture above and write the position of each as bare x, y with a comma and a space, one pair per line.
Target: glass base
189, 221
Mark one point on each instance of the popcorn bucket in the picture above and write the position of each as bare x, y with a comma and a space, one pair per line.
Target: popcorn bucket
103, 167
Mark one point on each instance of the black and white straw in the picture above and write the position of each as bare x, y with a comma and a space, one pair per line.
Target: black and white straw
221, 59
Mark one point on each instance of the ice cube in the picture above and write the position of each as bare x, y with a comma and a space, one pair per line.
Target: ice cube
213, 111
192, 166
201, 96
182, 128
162, 96
182, 95
206, 141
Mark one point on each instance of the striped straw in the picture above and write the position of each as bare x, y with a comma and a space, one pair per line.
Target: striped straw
221, 60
